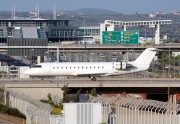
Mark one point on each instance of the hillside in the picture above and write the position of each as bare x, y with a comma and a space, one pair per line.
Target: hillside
93, 17
93, 11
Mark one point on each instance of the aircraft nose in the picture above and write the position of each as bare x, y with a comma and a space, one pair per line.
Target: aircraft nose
28, 72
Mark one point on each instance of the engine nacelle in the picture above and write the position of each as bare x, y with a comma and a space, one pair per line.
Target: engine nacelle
120, 65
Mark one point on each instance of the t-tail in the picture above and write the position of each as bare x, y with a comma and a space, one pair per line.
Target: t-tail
147, 56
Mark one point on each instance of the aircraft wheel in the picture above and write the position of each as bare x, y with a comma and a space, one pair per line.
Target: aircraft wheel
93, 79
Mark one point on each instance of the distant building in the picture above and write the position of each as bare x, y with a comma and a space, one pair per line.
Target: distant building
53, 30
176, 13
34, 32
88, 34
159, 13
165, 37
32, 13
152, 15
174, 54
60, 13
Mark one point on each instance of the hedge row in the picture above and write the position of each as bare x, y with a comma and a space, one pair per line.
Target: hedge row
11, 111
1, 95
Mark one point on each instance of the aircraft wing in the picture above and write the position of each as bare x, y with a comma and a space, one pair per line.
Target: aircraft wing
90, 74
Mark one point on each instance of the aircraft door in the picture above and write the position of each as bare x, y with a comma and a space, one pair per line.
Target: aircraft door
47, 68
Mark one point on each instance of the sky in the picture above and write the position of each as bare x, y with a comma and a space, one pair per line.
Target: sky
121, 6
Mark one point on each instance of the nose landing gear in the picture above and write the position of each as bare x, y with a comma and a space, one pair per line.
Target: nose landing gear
93, 78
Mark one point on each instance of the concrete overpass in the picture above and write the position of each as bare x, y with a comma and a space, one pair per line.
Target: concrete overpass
90, 48
96, 47
104, 85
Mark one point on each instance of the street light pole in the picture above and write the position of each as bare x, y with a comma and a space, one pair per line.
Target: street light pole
32, 56
64, 35
59, 35
168, 78
73, 35
68, 34
174, 65
1, 35
84, 28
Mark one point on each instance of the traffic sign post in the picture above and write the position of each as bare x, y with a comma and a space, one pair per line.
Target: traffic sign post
120, 37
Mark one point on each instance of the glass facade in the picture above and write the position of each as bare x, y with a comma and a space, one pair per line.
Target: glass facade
1, 32
33, 23
88, 32
63, 32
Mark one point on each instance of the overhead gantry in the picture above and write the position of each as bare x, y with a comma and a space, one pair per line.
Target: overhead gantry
153, 23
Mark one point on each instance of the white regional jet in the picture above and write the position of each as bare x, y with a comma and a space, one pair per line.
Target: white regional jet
93, 69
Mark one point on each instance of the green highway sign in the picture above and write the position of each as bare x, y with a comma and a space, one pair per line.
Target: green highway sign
120, 37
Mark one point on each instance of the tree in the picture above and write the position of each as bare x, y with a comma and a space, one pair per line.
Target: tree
87, 92
76, 97
49, 100
93, 92
66, 98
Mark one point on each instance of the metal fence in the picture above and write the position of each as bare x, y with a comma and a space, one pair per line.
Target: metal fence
35, 111
58, 119
115, 110
122, 110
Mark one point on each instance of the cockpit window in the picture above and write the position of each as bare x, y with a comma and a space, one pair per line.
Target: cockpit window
36, 66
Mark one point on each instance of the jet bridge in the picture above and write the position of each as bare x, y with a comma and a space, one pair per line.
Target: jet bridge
153, 23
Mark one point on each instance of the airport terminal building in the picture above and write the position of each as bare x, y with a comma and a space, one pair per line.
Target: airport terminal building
41, 31
34, 32
53, 30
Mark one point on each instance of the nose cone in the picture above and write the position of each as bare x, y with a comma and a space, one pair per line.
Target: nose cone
28, 72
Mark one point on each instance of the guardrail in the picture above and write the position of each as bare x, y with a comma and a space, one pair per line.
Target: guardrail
55, 45
126, 81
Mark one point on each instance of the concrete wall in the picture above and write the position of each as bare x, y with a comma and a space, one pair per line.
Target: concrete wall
40, 93
37, 92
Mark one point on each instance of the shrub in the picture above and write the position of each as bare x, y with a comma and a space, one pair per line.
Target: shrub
11, 111
56, 111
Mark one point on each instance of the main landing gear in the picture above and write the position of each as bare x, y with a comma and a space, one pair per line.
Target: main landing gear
93, 78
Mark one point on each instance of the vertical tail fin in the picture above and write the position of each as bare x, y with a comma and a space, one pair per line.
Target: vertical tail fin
147, 56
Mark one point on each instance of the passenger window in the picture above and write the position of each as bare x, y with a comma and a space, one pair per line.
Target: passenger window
90, 67
82, 67
66, 67
98, 66
102, 67
57, 67
94, 66
70, 67
86, 67
53, 67
74, 67
61, 67
78, 67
